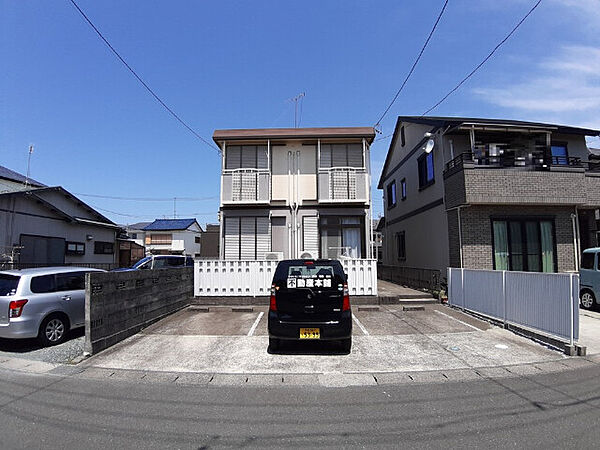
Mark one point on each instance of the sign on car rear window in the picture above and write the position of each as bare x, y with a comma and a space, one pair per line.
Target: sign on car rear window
309, 276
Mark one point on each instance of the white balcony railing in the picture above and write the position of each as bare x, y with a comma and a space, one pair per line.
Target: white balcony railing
247, 186
343, 184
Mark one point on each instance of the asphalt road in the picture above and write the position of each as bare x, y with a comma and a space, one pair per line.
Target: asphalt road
560, 410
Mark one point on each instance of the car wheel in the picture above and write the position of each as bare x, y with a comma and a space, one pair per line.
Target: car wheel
53, 330
346, 345
587, 300
273, 344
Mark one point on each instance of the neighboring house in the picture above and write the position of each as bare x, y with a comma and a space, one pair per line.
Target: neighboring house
491, 194
136, 233
11, 181
173, 237
295, 192
378, 239
50, 226
209, 242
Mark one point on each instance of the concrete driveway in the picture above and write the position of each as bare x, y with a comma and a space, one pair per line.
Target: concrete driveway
385, 340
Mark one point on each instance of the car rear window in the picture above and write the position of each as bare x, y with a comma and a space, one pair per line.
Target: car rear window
8, 284
42, 284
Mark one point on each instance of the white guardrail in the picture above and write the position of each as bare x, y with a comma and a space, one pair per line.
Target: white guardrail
230, 278
545, 302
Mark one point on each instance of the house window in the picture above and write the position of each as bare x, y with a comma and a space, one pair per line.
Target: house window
560, 155
391, 194
246, 157
134, 235
403, 188
341, 155
197, 239
159, 239
74, 248
402, 136
342, 236
401, 245
524, 245
104, 248
426, 173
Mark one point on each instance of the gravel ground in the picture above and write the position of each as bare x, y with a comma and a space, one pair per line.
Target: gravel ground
30, 349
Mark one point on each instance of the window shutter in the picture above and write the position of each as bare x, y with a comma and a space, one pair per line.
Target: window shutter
248, 157
310, 235
355, 155
263, 237
248, 238
232, 238
261, 157
232, 157
338, 155
325, 160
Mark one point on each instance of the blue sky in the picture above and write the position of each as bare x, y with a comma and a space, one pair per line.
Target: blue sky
236, 64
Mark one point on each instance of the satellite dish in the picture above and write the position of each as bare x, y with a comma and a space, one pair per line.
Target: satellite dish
429, 146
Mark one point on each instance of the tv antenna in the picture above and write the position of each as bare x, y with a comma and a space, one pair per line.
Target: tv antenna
296, 99
28, 166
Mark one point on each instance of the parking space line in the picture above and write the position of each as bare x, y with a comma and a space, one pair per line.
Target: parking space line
460, 321
360, 325
255, 324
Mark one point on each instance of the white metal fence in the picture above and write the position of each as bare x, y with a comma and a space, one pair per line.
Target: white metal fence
545, 302
232, 278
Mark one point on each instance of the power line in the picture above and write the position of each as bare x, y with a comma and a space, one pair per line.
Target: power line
149, 199
414, 64
484, 60
157, 98
139, 216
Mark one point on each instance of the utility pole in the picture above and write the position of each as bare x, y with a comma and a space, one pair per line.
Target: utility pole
28, 166
295, 100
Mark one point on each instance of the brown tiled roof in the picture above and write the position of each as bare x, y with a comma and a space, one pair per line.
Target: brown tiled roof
295, 133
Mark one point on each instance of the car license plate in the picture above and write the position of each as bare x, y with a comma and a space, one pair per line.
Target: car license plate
310, 333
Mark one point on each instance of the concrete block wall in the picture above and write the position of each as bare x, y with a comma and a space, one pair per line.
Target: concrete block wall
477, 233
120, 304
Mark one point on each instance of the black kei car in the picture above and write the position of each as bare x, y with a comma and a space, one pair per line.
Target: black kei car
310, 301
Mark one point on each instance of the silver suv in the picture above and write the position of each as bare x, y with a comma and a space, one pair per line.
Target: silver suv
45, 303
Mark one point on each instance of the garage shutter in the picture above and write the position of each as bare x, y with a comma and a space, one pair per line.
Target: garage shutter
263, 237
355, 155
232, 238
248, 238
310, 235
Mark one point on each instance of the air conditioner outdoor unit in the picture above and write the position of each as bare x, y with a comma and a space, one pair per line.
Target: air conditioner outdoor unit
307, 255
274, 256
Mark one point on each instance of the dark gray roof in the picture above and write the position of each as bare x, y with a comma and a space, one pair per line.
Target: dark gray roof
11, 175
137, 226
170, 224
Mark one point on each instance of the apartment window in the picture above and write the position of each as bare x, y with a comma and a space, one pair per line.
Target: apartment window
247, 237
74, 248
524, 245
560, 154
401, 245
159, 239
246, 157
342, 236
426, 173
402, 136
391, 194
341, 155
403, 189
104, 248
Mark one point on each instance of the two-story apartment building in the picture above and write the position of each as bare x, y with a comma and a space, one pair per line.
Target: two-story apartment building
295, 192
488, 194
173, 237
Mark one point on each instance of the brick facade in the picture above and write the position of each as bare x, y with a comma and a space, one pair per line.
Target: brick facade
476, 226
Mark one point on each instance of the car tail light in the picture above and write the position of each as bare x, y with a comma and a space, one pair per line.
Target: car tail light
346, 303
273, 302
15, 307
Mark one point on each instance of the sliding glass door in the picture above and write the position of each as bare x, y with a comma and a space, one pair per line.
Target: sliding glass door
524, 245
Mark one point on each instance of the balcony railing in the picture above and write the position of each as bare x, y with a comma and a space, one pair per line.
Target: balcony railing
246, 186
342, 184
535, 162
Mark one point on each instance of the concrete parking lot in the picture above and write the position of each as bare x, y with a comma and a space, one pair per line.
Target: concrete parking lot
389, 339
